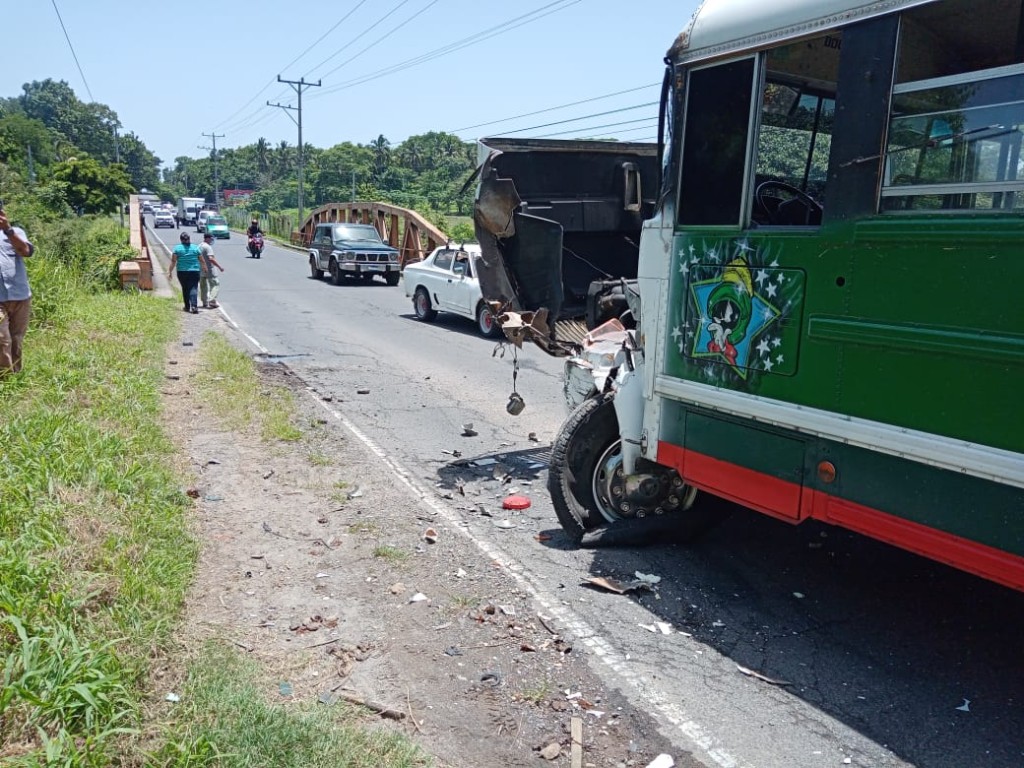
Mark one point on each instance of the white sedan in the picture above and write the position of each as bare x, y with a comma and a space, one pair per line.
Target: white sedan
446, 281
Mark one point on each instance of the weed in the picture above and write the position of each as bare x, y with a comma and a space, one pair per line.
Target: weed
538, 692
225, 720
319, 460
391, 554
363, 526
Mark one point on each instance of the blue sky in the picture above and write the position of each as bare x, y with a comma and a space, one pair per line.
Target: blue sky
172, 76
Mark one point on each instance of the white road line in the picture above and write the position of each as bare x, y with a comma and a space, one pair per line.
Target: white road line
601, 647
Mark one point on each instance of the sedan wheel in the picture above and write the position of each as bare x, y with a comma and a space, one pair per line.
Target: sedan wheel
485, 322
422, 306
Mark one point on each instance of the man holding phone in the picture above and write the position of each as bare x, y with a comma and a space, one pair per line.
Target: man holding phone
15, 294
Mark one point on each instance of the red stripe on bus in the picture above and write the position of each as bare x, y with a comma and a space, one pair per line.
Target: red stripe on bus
792, 503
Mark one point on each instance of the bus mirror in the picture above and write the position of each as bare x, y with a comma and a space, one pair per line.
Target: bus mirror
631, 195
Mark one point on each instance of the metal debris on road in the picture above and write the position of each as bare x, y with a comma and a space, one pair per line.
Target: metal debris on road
419, 597
505, 524
285, 689
491, 678
268, 474
468, 431
362, 391
965, 707
618, 587
460, 574
532, 437
452, 650
516, 502
759, 676
798, 595
172, 697
430, 536
355, 493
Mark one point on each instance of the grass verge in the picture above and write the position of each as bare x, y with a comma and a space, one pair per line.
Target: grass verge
229, 382
95, 554
224, 719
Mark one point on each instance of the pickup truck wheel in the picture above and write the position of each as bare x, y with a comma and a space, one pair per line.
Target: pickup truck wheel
314, 272
392, 278
587, 484
485, 322
335, 271
422, 306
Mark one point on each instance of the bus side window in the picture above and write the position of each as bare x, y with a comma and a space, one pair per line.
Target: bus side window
795, 133
718, 101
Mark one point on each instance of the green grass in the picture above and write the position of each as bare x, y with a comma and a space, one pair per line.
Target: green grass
226, 718
95, 556
537, 693
390, 553
317, 459
229, 383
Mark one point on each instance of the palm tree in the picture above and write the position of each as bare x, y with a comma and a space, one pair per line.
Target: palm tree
263, 161
381, 155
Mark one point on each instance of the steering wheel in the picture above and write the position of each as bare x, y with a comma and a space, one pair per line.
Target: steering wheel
800, 208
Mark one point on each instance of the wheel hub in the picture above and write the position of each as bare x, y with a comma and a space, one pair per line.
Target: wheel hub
658, 492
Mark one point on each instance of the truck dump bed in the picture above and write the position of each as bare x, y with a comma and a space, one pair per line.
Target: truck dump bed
559, 228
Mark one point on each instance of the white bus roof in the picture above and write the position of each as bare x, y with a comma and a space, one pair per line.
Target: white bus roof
724, 27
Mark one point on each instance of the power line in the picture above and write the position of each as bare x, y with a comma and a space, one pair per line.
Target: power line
478, 37
382, 38
353, 40
555, 109
216, 177
73, 54
290, 63
577, 119
645, 120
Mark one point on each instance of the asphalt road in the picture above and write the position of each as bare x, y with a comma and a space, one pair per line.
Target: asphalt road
867, 653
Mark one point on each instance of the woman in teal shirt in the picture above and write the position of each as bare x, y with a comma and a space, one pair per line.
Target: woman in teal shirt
190, 269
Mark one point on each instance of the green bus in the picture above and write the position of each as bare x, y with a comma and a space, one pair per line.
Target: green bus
819, 333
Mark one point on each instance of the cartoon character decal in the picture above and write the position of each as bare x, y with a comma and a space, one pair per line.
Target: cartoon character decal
736, 309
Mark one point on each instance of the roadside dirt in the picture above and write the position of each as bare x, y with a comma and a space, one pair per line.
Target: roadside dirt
314, 559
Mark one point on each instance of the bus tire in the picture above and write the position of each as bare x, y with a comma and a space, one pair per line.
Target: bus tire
584, 437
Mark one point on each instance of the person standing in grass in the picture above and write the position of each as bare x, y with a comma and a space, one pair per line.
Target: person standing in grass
15, 295
186, 258
209, 283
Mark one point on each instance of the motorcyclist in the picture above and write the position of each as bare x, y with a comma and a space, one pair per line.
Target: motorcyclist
254, 231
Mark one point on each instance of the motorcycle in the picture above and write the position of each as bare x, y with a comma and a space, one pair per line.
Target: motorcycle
256, 245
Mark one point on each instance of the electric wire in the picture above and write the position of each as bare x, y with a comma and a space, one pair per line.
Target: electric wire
477, 37
555, 109
584, 117
290, 63
73, 54
353, 41
382, 38
645, 120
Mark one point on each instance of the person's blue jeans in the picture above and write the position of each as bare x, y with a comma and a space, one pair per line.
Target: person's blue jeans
189, 288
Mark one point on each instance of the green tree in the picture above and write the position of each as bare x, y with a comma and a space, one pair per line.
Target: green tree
91, 187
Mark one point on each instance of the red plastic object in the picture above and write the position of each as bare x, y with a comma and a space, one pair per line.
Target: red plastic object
515, 502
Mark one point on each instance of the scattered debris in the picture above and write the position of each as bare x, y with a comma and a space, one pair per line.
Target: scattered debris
515, 502
618, 587
397, 588
430, 536
648, 577
491, 678
508, 610
285, 689
460, 574
717, 623
965, 707
576, 745
192, 493
506, 524
551, 752
362, 391
532, 437
355, 493
313, 623
327, 398
212, 461
526, 647
452, 650
419, 597
662, 761
798, 595
268, 474
468, 431
381, 709
328, 697
212, 497
759, 676
484, 462
187, 344
543, 537
172, 697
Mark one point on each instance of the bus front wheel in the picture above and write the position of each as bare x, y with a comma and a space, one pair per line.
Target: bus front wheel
586, 480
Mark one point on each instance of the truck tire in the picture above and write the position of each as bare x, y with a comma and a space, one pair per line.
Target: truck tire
314, 271
335, 270
421, 305
584, 468
392, 278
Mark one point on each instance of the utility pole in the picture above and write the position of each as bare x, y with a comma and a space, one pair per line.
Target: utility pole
216, 178
298, 86
117, 159
353, 186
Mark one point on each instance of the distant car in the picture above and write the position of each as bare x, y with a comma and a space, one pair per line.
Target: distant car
446, 281
216, 226
163, 219
147, 208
